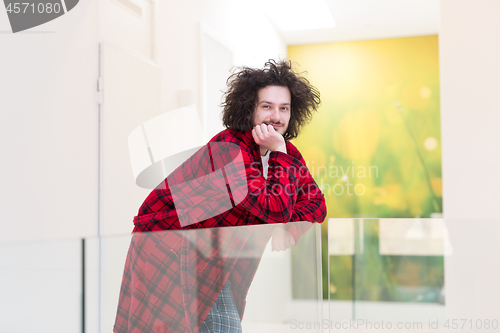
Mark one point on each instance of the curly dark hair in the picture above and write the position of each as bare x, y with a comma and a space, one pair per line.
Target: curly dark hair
241, 97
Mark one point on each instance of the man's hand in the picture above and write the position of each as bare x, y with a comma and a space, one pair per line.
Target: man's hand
282, 240
267, 137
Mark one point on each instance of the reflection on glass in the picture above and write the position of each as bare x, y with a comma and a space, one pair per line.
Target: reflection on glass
387, 268
173, 278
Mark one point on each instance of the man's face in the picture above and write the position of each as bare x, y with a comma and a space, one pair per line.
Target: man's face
273, 108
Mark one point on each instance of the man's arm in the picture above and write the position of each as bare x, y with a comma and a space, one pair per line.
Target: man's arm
310, 206
310, 202
272, 199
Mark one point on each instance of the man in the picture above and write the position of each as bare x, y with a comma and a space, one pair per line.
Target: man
247, 174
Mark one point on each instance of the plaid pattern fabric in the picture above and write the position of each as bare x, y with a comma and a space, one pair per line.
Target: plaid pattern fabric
223, 317
172, 279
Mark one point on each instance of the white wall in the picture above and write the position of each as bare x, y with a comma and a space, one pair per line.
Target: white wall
49, 127
469, 43
48, 168
469, 46
252, 41
127, 28
41, 287
49, 114
49, 124
49, 136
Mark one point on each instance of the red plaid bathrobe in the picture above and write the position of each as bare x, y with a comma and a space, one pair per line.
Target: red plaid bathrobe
172, 278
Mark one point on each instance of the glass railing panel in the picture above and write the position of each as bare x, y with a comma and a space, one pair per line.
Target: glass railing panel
472, 272
113, 255
399, 271
91, 315
425, 275
341, 243
78, 285
439, 275
41, 288
172, 278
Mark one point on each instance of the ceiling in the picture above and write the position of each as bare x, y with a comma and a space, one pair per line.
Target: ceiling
372, 19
